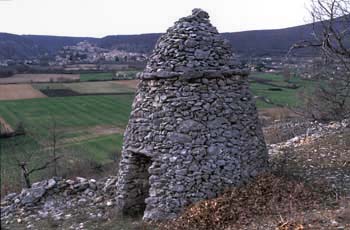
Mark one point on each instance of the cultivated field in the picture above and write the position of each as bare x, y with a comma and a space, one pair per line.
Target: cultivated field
105, 87
276, 90
89, 132
129, 74
128, 83
19, 91
90, 128
29, 78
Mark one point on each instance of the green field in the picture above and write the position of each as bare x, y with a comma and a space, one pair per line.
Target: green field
77, 119
70, 112
130, 74
96, 76
88, 87
89, 128
286, 97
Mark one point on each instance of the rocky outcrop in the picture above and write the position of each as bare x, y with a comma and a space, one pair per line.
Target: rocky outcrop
193, 131
58, 199
312, 131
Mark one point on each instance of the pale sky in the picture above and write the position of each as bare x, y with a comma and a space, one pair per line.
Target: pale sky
98, 18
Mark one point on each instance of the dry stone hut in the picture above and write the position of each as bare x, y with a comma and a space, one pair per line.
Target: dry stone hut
193, 130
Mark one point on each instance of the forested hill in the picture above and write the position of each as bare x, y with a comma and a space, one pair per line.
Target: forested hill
247, 43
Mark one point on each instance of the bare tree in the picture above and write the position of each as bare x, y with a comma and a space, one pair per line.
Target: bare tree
26, 159
27, 172
330, 98
54, 138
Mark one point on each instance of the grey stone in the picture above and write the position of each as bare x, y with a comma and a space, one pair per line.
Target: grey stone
218, 123
200, 13
10, 196
200, 54
190, 125
32, 195
50, 184
188, 136
178, 137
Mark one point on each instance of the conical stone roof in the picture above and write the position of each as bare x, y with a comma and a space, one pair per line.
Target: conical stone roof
188, 139
191, 48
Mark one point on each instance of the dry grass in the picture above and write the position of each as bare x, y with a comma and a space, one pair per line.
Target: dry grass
90, 133
283, 131
308, 188
324, 162
22, 91
268, 197
98, 87
269, 115
30, 78
128, 83
5, 128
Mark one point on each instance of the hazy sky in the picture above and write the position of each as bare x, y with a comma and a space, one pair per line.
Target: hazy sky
99, 18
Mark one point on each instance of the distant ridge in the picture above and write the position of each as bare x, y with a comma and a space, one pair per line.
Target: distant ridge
247, 43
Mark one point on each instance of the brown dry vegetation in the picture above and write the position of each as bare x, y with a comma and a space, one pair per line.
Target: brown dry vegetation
268, 197
5, 128
29, 78
128, 83
270, 115
296, 194
90, 133
308, 188
324, 162
22, 91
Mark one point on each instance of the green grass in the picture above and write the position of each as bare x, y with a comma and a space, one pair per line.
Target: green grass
100, 149
286, 97
70, 112
74, 117
268, 76
96, 76
107, 76
87, 87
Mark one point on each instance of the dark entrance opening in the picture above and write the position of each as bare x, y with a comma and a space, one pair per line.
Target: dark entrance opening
140, 183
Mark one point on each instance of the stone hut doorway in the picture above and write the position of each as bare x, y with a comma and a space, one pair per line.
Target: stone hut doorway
139, 172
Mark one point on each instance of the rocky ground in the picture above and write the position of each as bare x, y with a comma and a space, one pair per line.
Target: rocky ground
59, 203
308, 188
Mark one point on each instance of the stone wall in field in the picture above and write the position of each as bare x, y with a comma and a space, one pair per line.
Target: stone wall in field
193, 131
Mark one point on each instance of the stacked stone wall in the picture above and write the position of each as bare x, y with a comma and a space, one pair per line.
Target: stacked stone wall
194, 119
202, 136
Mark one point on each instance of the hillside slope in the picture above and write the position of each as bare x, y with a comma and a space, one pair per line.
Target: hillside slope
248, 43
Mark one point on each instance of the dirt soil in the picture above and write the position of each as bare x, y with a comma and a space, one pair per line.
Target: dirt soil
31, 78
269, 115
59, 92
22, 91
128, 83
